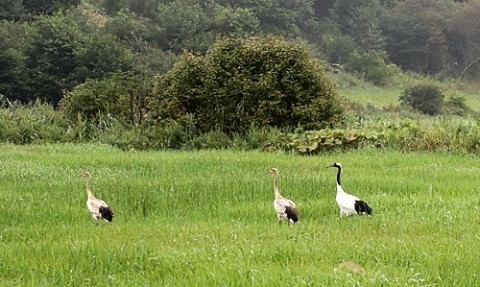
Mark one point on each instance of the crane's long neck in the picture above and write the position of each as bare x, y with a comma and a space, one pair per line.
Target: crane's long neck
339, 172
89, 192
275, 188
339, 186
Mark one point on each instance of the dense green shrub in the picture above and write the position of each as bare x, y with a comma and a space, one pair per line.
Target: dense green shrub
372, 67
245, 81
121, 95
425, 98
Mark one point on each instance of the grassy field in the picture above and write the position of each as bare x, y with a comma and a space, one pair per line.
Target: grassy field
376, 96
385, 97
206, 218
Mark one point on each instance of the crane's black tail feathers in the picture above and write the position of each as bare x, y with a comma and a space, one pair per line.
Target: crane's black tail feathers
361, 207
107, 213
292, 213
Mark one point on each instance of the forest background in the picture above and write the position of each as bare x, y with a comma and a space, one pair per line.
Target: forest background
83, 71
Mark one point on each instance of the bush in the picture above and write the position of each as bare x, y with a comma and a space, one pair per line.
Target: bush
248, 81
455, 105
372, 67
121, 95
425, 98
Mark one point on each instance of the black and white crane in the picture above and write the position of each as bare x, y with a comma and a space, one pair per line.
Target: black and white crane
349, 204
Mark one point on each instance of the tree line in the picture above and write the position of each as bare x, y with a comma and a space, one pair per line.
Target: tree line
48, 48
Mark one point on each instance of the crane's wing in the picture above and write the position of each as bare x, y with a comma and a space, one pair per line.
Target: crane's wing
106, 212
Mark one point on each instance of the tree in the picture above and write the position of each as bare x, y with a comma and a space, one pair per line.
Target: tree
183, 25
99, 55
361, 21
464, 39
12, 10
11, 60
247, 81
322, 7
38, 7
50, 56
130, 31
416, 35
406, 41
288, 18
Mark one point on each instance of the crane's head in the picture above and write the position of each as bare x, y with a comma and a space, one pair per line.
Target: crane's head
85, 174
337, 165
273, 171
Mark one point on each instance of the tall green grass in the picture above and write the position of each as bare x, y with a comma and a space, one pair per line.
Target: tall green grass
206, 218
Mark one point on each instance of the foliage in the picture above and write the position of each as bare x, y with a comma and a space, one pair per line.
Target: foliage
424, 36
11, 60
60, 56
361, 21
12, 10
454, 135
369, 129
56, 45
121, 95
40, 7
456, 105
426, 98
50, 57
18, 10
182, 25
128, 30
407, 41
33, 123
369, 65
240, 82
372, 67
464, 33
287, 18
338, 49
99, 55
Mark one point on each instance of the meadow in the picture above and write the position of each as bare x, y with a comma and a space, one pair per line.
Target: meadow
380, 97
205, 218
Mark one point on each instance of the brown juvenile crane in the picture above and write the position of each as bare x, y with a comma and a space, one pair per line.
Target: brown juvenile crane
284, 207
97, 207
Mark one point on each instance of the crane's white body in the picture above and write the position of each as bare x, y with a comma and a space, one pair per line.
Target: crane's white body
346, 202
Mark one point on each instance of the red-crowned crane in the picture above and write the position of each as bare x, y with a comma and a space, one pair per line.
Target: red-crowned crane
349, 204
97, 207
284, 207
